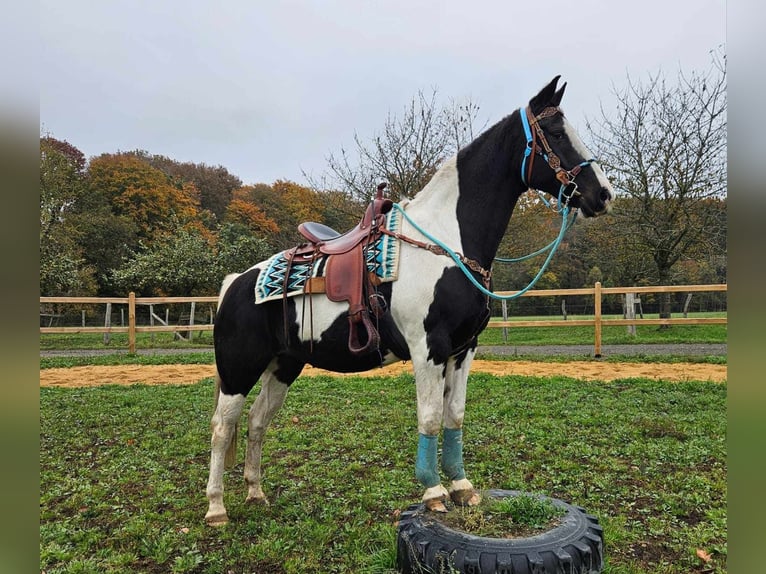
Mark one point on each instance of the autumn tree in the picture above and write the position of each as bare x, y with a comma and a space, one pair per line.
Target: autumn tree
241, 210
664, 147
215, 184
284, 203
63, 270
143, 193
406, 153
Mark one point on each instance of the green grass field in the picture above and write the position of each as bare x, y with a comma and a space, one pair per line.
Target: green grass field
123, 472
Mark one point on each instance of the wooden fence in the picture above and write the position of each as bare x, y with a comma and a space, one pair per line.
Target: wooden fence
597, 292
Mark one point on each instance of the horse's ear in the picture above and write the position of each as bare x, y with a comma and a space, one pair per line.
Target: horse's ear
546, 97
556, 101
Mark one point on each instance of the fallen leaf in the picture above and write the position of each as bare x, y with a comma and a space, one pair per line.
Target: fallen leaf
295, 419
703, 555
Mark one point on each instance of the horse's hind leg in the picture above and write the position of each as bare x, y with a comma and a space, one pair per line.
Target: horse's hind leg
275, 383
227, 413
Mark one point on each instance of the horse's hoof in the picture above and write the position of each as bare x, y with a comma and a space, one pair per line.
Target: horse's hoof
469, 497
257, 500
435, 505
216, 519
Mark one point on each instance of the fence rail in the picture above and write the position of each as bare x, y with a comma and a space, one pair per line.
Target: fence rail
597, 292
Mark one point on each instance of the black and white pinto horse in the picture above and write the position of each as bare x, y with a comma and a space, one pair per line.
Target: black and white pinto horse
434, 313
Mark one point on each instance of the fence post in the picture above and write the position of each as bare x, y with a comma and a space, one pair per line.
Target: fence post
151, 321
597, 325
630, 311
504, 305
132, 323
107, 322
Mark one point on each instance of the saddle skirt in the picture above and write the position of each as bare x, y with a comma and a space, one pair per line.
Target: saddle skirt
382, 259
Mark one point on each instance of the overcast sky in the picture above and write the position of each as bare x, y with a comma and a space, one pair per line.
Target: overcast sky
270, 89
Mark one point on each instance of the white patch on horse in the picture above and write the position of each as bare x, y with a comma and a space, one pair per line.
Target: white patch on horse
225, 284
314, 314
583, 150
434, 209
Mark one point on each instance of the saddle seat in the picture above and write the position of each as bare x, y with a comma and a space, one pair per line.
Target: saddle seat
330, 242
346, 277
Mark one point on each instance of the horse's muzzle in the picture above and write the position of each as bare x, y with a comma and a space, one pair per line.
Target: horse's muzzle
593, 205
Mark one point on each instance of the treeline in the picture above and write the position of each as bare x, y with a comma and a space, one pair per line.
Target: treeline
147, 223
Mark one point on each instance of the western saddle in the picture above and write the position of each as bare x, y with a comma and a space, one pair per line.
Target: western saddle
346, 277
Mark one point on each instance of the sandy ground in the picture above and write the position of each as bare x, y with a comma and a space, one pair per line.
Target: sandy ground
588, 370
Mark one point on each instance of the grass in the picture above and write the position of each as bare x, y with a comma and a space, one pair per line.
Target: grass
613, 335
511, 517
123, 472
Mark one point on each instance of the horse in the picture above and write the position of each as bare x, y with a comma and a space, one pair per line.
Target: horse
432, 313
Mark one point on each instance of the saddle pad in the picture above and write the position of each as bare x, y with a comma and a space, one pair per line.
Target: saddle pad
382, 259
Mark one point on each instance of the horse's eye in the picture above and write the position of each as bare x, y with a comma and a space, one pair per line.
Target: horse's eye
557, 135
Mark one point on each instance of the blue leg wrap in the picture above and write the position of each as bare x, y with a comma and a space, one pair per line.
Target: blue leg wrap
452, 454
426, 469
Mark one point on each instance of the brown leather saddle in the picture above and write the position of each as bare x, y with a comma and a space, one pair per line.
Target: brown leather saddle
346, 277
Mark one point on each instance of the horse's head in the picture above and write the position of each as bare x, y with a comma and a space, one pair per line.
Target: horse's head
557, 162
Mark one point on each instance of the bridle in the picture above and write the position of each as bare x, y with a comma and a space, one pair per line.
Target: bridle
533, 133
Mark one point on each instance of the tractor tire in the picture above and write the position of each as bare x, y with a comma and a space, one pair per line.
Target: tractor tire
574, 546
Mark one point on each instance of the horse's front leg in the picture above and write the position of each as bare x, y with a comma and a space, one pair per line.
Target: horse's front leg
461, 490
429, 383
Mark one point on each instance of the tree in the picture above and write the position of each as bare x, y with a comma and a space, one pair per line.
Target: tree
214, 183
407, 153
189, 262
144, 194
284, 204
665, 149
180, 264
248, 214
237, 249
63, 270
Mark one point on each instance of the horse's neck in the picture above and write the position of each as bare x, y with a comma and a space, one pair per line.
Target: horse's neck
434, 208
468, 202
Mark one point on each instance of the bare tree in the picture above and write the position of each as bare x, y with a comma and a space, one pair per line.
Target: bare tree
665, 150
407, 152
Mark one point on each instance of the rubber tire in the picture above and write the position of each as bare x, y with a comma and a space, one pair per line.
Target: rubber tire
425, 545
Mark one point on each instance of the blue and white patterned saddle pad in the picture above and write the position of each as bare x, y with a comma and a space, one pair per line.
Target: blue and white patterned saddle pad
382, 259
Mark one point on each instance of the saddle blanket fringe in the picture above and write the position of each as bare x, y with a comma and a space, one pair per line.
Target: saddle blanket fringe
382, 260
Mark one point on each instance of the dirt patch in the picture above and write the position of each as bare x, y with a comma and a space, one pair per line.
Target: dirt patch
188, 374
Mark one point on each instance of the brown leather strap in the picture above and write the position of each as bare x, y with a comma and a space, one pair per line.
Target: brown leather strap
472, 264
553, 160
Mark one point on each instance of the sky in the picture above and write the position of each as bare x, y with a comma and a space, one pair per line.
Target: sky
270, 89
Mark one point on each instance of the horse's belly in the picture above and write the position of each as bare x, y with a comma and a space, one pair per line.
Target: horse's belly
345, 362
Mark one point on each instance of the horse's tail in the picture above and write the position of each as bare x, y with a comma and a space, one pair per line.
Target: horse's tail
230, 458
